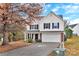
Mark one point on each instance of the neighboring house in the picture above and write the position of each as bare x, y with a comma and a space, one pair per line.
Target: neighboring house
49, 29
75, 28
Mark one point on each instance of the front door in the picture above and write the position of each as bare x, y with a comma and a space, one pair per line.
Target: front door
36, 37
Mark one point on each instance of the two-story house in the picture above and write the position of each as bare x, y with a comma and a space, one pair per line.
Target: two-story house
49, 29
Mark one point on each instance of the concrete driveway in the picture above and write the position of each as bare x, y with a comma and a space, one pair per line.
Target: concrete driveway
36, 49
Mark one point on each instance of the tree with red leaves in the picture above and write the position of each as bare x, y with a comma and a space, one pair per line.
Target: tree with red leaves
10, 14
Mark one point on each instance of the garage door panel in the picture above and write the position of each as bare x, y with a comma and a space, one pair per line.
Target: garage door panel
51, 37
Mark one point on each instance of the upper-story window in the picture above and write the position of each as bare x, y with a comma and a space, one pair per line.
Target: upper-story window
46, 25
55, 25
34, 26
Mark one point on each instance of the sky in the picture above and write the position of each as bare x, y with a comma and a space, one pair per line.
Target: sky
70, 11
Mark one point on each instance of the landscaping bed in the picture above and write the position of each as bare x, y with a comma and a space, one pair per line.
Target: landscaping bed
72, 46
13, 45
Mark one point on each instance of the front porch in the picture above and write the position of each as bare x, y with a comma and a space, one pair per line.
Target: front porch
35, 36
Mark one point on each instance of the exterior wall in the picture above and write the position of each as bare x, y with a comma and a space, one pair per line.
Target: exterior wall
51, 19
51, 37
76, 30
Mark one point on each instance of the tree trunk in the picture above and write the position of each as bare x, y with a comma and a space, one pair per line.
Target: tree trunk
5, 38
5, 35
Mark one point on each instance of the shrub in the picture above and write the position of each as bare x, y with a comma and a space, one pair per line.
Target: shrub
17, 36
0, 39
65, 38
68, 32
10, 37
30, 40
38, 40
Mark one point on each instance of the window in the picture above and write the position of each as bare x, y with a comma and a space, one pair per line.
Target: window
34, 26
46, 25
55, 25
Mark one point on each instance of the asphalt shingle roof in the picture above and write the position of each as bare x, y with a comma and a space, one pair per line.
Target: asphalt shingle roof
72, 26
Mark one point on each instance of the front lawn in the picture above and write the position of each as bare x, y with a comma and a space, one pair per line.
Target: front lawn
72, 46
13, 45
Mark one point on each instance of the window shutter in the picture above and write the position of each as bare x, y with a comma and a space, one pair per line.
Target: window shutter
30, 26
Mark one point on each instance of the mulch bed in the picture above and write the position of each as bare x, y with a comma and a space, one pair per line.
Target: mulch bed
13, 45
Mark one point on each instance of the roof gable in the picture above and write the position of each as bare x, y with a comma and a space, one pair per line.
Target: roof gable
50, 15
72, 26
57, 16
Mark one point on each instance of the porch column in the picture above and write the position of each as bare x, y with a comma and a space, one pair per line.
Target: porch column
41, 36
25, 35
33, 37
38, 36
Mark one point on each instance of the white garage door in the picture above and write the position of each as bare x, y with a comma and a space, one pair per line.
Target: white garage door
51, 37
